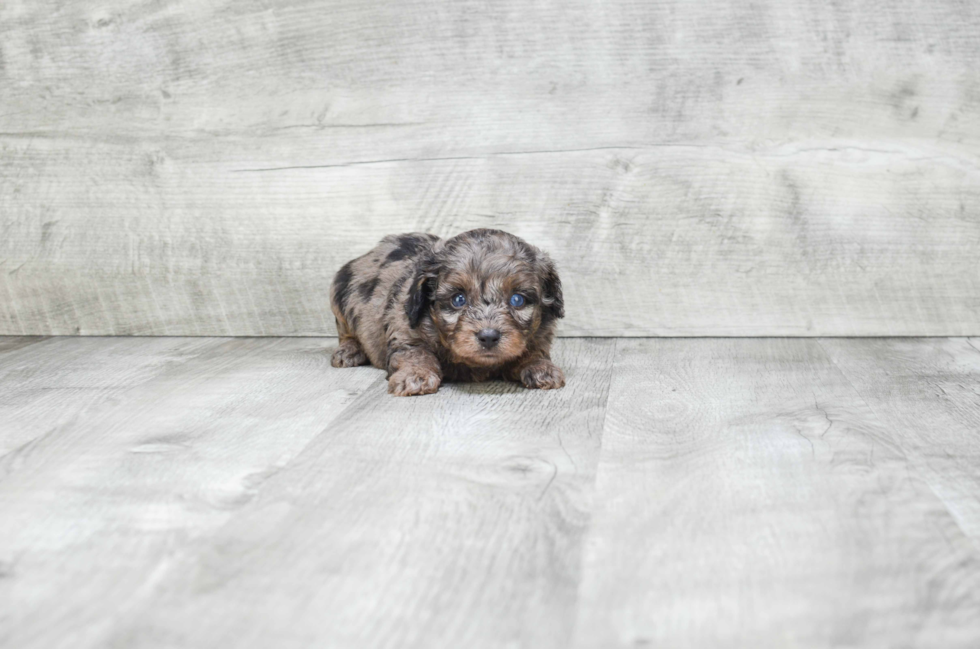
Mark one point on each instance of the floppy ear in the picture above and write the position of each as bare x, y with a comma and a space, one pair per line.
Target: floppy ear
421, 290
552, 300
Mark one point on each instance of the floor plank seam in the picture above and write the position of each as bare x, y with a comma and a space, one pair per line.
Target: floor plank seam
592, 487
911, 466
969, 341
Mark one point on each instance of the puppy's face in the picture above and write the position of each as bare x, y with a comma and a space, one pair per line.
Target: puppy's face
488, 293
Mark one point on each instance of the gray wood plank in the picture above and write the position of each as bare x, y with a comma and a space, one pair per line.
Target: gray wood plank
94, 512
49, 384
747, 496
719, 493
928, 393
651, 241
387, 77
13, 343
199, 167
451, 520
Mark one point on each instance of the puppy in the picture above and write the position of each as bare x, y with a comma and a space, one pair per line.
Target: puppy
481, 305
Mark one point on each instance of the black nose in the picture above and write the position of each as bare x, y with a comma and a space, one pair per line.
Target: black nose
488, 337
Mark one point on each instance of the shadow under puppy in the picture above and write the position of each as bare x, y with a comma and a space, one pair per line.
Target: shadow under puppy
480, 305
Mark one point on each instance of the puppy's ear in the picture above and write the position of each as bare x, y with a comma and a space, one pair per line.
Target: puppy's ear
421, 290
552, 301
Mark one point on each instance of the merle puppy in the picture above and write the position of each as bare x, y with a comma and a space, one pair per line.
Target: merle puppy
478, 306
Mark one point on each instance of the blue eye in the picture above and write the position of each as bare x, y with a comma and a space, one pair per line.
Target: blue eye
458, 300
517, 300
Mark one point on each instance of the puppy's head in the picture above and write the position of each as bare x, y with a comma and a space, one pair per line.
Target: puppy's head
488, 294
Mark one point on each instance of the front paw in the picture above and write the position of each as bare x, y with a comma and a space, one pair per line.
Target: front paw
543, 375
348, 354
410, 381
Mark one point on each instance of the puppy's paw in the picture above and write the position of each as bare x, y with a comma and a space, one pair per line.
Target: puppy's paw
543, 375
348, 354
410, 380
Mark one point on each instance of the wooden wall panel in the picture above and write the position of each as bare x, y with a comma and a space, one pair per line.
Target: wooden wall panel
708, 168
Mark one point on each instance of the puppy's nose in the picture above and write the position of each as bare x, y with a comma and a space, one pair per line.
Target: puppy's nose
488, 337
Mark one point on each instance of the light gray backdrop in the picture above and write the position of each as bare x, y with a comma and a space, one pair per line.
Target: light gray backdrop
697, 168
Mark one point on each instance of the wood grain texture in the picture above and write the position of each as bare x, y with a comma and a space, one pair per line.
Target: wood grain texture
703, 168
928, 394
452, 520
746, 496
176, 436
13, 343
695, 493
50, 384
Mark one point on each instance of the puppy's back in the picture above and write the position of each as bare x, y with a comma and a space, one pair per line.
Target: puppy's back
367, 289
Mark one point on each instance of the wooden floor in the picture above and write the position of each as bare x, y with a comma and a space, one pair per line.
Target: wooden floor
205, 492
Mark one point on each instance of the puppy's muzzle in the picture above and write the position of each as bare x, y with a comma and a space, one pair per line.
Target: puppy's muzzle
488, 338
